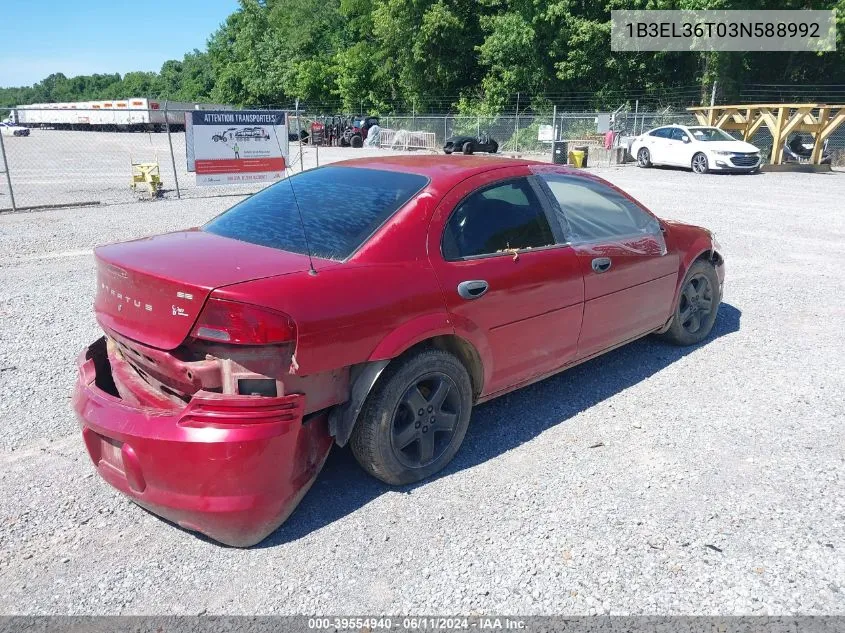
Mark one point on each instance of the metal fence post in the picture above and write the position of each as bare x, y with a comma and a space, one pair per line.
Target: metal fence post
8, 175
516, 127
554, 130
636, 113
445, 127
299, 136
172, 156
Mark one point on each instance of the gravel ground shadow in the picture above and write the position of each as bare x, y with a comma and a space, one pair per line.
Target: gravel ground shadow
343, 487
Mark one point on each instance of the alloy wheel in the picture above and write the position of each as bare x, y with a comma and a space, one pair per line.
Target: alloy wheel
699, 163
696, 303
425, 420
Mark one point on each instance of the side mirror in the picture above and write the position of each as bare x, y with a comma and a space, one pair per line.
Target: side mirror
685, 138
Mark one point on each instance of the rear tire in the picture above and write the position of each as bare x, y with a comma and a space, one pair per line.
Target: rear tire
698, 304
356, 141
467, 148
415, 419
494, 147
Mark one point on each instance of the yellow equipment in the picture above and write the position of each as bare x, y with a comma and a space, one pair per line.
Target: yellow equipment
576, 157
147, 175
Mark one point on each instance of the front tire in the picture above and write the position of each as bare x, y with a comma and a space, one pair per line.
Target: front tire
700, 164
643, 158
698, 304
415, 419
467, 148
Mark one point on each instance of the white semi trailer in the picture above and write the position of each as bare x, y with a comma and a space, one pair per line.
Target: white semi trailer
117, 114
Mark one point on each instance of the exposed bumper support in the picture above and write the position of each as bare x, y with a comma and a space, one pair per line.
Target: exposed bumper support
230, 466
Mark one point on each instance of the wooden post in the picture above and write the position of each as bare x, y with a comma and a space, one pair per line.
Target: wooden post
818, 144
777, 140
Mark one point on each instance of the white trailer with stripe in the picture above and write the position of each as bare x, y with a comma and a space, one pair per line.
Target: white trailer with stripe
139, 113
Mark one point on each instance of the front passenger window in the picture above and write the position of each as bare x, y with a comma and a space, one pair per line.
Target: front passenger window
592, 211
494, 219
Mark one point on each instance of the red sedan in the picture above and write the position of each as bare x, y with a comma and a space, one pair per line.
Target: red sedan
371, 302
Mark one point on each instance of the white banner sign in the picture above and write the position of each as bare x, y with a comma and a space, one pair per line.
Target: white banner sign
238, 147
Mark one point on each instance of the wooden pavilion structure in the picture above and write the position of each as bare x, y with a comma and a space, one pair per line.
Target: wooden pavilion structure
782, 119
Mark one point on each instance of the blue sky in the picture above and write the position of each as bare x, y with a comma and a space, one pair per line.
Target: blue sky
39, 37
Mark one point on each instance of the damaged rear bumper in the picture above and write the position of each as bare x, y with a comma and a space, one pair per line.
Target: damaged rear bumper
230, 466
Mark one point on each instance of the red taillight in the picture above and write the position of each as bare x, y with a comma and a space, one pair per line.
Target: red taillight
243, 324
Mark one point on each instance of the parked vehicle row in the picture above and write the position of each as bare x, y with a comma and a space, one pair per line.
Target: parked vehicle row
372, 302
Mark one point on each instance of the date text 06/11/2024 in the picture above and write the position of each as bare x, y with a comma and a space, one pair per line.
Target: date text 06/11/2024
417, 624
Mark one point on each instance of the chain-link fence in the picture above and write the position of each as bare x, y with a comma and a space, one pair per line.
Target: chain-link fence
63, 157
524, 133
67, 157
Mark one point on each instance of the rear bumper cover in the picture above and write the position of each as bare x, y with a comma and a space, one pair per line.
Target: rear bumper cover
230, 466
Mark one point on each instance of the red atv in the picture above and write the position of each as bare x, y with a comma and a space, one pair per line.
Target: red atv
356, 131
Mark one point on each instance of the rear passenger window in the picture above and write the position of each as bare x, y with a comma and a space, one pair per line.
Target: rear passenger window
505, 216
591, 211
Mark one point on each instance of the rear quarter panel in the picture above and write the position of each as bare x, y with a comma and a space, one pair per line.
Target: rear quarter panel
343, 314
374, 306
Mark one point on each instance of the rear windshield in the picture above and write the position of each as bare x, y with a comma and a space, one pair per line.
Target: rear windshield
341, 207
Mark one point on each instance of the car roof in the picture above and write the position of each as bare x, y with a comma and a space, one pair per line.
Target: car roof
440, 169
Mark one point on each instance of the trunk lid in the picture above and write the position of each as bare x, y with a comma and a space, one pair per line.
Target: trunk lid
152, 290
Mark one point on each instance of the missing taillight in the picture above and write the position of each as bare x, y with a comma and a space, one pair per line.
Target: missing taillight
257, 387
103, 378
243, 324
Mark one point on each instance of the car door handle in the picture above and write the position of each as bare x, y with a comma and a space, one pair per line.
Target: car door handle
601, 264
472, 289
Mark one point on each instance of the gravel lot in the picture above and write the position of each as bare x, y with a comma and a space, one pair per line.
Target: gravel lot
717, 487
60, 167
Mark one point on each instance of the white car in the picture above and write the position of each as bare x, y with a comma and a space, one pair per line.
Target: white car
8, 128
700, 148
